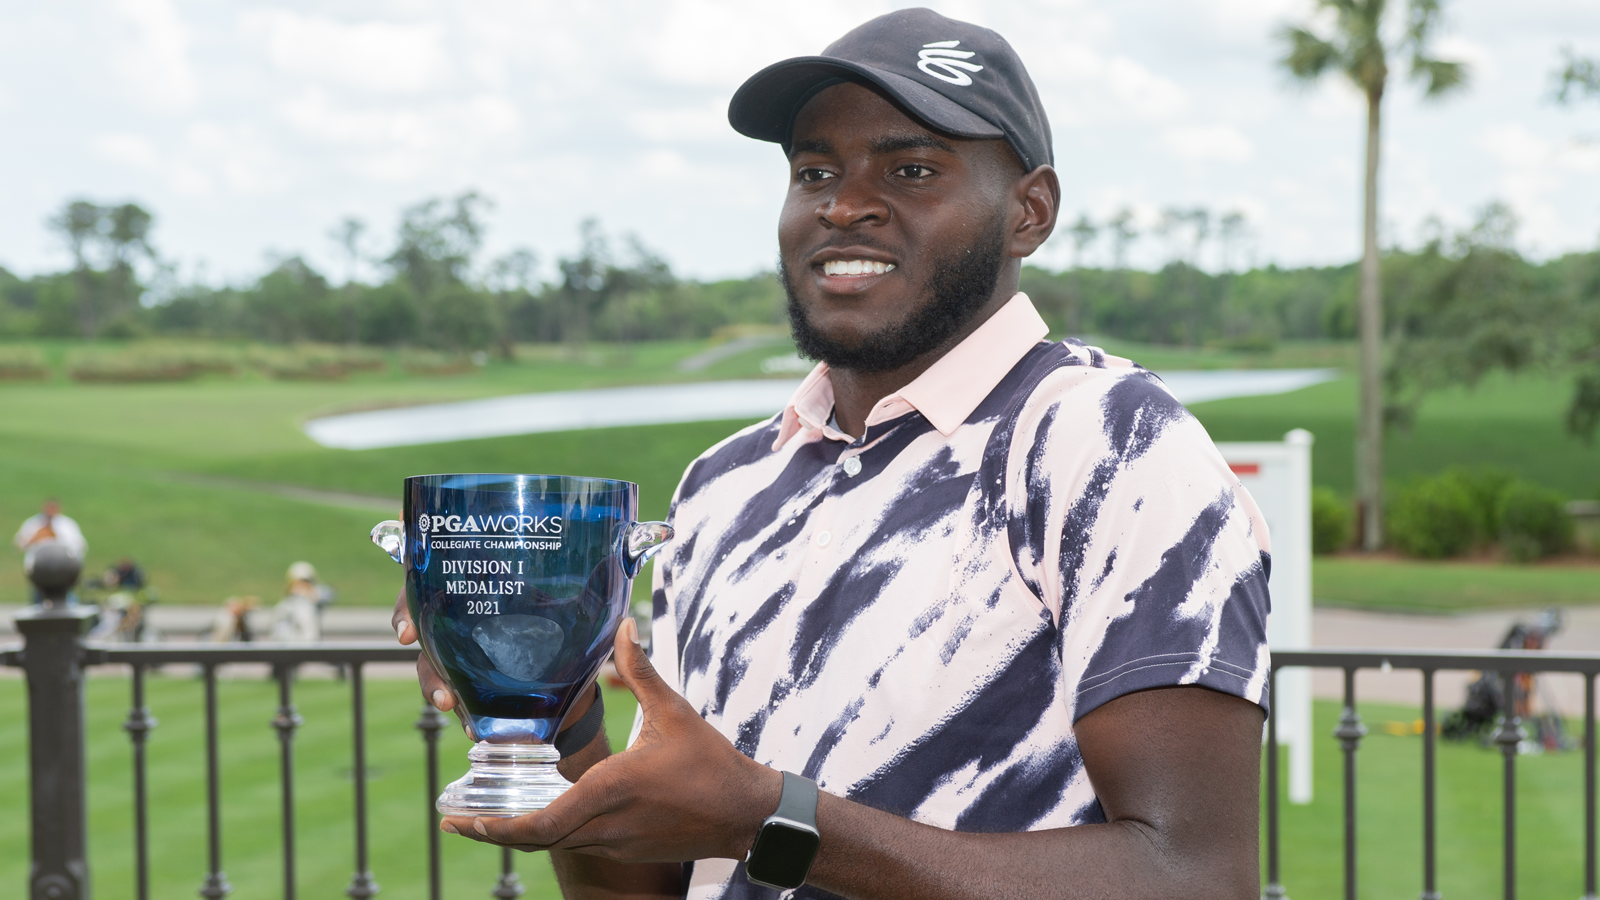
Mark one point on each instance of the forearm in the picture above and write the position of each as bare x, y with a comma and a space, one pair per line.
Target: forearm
867, 854
586, 877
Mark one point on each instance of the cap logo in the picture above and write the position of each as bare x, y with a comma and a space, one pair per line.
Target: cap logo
943, 56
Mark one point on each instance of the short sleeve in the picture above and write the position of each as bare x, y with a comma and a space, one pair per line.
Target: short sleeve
1150, 554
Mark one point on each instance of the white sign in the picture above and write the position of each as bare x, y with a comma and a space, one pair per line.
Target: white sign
1278, 476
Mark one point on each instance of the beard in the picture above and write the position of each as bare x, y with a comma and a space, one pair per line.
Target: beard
962, 283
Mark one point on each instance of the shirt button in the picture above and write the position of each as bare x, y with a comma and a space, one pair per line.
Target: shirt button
824, 538
852, 466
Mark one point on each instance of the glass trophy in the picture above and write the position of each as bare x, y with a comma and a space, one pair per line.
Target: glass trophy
516, 585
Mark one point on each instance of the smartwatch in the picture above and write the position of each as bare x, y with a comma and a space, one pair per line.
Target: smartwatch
787, 843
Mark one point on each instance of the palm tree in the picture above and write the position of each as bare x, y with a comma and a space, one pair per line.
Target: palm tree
128, 234
82, 224
1359, 46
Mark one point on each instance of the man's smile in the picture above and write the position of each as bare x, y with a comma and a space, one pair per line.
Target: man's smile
850, 270
855, 267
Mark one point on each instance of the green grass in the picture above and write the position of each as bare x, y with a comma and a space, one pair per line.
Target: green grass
1389, 802
1550, 803
1428, 586
181, 476
165, 472
251, 824
1514, 424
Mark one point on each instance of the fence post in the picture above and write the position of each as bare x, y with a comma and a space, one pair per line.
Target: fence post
52, 660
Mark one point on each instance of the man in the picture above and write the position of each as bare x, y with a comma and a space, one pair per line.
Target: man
50, 525
984, 613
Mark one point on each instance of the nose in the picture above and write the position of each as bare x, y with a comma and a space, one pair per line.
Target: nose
855, 200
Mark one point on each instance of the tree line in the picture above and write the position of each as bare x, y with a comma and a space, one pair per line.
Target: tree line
1461, 304
433, 289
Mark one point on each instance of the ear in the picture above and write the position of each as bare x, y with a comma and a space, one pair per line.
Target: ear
1037, 199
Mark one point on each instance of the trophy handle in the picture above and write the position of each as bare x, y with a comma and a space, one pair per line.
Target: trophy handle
390, 536
645, 539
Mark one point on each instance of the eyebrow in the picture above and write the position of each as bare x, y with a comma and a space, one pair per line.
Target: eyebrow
810, 146
894, 144
902, 143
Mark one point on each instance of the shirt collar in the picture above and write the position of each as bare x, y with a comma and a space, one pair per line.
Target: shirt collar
945, 394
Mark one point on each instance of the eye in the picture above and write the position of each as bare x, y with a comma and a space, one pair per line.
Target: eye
914, 171
811, 175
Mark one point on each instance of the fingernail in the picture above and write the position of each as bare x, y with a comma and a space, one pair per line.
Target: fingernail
447, 828
478, 825
400, 631
440, 698
633, 632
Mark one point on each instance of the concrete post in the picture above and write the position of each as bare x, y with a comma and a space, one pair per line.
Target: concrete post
52, 661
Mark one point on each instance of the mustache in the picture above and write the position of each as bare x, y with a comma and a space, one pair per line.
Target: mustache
853, 240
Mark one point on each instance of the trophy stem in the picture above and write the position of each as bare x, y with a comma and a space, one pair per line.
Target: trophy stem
505, 780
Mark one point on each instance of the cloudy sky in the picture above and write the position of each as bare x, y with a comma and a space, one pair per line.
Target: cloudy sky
252, 129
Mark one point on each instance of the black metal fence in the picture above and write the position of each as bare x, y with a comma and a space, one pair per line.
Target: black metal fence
1508, 734
54, 657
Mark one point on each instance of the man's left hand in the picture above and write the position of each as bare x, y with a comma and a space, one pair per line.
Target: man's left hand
680, 792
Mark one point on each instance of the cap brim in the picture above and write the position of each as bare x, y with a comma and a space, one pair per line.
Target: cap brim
764, 107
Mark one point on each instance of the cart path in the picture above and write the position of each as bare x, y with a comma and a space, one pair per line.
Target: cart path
1331, 627
1346, 628
662, 404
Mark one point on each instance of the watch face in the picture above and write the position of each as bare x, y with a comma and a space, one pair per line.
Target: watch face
782, 855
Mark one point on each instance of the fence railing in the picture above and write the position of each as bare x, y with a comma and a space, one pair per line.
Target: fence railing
54, 657
1507, 735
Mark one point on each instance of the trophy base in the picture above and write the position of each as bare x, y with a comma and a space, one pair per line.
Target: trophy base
505, 780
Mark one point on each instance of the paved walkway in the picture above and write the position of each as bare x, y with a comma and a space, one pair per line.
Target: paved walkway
1330, 628
1472, 631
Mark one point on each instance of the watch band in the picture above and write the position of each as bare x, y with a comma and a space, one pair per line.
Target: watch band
798, 802
788, 841
582, 731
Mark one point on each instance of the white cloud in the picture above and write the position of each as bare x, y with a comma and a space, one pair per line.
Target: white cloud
279, 118
377, 56
132, 150
1143, 91
706, 122
153, 61
237, 156
1208, 143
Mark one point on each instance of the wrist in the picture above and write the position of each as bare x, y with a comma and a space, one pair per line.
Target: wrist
788, 841
762, 788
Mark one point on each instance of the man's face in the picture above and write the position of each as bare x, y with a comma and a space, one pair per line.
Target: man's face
892, 236
51, 508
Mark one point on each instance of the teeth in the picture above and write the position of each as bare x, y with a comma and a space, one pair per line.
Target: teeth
855, 267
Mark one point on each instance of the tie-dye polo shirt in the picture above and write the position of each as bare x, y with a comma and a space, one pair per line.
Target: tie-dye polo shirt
916, 618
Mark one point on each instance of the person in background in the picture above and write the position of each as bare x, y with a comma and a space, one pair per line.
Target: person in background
125, 575
232, 621
51, 525
298, 616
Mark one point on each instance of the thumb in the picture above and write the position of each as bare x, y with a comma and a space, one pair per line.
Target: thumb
634, 666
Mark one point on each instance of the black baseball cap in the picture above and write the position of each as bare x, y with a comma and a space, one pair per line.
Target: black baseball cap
955, 77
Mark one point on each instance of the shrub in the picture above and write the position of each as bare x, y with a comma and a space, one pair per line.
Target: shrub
429, 362
1435, 518
1330, 519
1485, 485
1533, 522
22, 363
314, 362
146, 362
